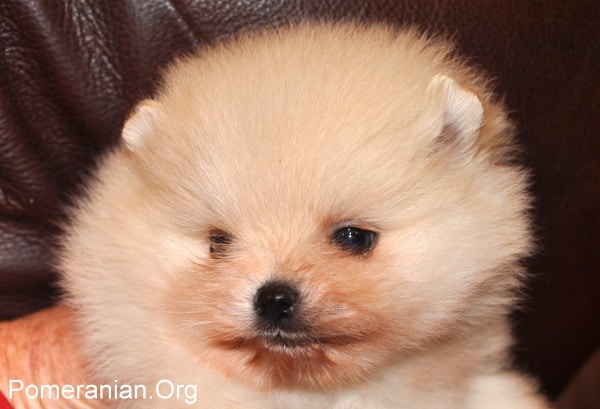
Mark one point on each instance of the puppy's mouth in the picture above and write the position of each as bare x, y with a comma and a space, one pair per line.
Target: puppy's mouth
285, 341
276, 342
294, 343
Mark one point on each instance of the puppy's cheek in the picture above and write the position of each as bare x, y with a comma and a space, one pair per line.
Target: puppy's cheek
203, 296
442, 284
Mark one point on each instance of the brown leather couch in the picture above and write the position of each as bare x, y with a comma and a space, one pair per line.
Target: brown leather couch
70, 70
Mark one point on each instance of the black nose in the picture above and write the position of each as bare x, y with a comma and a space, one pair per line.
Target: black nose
276, 303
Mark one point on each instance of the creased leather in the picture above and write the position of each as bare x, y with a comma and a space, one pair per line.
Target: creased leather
71, 70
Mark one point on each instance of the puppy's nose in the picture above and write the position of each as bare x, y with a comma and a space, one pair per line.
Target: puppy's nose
275, 302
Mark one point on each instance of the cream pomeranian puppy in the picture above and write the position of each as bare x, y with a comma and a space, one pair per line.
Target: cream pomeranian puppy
323, 217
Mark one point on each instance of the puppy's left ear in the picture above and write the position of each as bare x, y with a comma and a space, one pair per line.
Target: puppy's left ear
141, 124
462, 114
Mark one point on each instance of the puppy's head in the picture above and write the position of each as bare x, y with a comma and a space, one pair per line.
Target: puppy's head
303, 209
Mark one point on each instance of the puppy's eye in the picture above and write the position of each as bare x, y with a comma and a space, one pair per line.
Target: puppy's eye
219, 243
354, 240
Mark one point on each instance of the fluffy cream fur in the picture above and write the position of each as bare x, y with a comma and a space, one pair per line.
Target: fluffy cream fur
279, 139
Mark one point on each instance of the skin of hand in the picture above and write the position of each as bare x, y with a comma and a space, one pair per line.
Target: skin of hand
41, 349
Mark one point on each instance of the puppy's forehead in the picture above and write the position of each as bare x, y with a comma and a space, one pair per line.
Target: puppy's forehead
305, 86
299, 120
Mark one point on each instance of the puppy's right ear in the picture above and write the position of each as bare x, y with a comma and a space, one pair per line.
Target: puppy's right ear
461, 113
141, 124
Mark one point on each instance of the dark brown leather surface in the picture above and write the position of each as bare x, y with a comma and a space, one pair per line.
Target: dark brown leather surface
70, 70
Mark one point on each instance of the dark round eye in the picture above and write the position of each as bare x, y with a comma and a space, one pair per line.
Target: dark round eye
219, 243
354, 239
